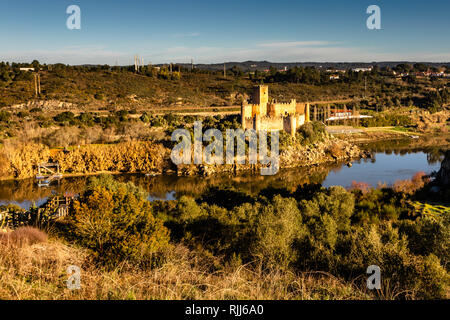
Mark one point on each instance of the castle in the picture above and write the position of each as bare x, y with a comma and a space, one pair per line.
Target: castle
260, 114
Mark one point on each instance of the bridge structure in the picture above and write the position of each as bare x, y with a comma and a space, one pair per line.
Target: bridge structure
55, 208
48, 172
333, 115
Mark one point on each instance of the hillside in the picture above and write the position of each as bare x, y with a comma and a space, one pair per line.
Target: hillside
105, 87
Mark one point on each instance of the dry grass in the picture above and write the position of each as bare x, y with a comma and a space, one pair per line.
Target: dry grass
23, 236
39, 272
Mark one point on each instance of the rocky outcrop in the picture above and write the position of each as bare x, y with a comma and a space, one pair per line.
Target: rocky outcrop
443, 176
43, 104
333, 150
426, 121
328, 151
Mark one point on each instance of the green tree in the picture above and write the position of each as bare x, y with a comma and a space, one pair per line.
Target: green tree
116, 222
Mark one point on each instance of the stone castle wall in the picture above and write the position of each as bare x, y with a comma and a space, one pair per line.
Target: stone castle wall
288, 123
281, 109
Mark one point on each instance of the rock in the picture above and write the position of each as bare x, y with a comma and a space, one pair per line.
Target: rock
443, 175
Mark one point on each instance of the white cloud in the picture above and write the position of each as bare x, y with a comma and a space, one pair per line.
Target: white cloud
295, 54
288, 44
90, 54
183, 35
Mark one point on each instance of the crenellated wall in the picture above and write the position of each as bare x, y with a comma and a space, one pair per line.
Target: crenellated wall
281, 109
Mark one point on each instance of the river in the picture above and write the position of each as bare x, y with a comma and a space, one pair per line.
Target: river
391, 162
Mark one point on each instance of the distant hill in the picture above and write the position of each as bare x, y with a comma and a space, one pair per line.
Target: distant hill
263, 65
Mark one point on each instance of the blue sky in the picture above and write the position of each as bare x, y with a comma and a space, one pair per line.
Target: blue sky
113, 31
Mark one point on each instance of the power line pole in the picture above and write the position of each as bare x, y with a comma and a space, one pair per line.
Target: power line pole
192, 65
37, 84
365, 86
224, 70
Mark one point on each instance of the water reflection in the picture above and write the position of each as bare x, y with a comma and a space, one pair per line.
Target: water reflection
390, 163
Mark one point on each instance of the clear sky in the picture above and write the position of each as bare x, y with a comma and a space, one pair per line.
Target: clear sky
113, 31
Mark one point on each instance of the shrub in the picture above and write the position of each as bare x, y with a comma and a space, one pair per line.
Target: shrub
278, 225
117, 224
311, 132
410, 186
4, 116
23, 236
65, 116
334, 201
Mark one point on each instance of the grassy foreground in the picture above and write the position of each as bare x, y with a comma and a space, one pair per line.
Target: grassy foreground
38, 271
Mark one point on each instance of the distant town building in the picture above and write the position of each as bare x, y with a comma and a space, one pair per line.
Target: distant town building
336, 71
334, 77
362, 69
26, 69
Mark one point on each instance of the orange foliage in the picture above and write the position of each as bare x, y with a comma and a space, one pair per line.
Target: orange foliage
362, 186
410, 186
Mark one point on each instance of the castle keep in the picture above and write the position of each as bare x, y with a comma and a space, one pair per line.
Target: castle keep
260, 114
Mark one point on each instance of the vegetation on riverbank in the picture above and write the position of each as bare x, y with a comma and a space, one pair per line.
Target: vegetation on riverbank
313, 145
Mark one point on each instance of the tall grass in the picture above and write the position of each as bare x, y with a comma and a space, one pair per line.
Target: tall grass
38, 271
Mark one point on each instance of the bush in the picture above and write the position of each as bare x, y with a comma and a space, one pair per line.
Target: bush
311, 132
117, 224
65, 116
4, 116
23, 236
334, 201
278, 226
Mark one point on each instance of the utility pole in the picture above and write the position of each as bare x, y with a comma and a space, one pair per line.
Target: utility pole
365, 86
37, 84
192, 65
224, 70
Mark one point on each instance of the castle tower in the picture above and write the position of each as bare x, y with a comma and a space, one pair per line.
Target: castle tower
260, 98
260, 94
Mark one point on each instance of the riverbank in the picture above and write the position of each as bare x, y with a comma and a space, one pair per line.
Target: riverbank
19, 160
312, 145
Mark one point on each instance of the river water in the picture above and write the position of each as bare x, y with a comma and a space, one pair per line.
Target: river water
390, 163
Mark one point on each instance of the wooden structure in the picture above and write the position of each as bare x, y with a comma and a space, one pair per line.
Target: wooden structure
48, 172
327, 114
55, 208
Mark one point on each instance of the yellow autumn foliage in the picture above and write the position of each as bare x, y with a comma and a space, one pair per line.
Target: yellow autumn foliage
21, 160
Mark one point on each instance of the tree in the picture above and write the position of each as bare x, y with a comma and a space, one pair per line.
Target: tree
36, 65
116, 222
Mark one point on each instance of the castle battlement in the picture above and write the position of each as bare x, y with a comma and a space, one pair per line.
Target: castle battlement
284, 103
